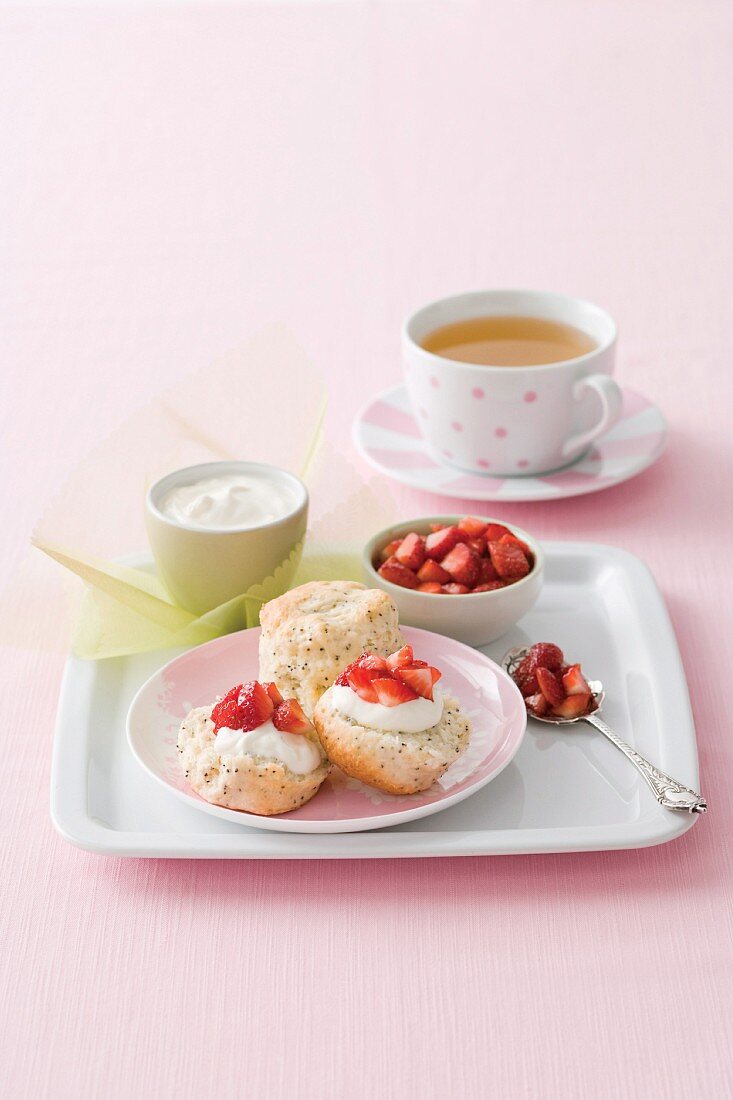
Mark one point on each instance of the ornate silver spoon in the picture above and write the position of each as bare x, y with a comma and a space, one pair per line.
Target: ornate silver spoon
668, 791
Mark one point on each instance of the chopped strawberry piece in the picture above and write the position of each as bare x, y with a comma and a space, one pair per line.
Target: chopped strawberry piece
401, 658
455, 589
478, 544
273, 692
361, 680
343, 679
572, 707
421, 680
430, 586
431, 571
420, 664
441, 542
290, 718
374, 665
550, 686
397, 573
390, 692
487, 572
537, 704
575, 682
411, 551
473, 527
527, 684
436, 526
494, 531
541, 655
490, 586
463, 564
226, 711
508, 560
513, 540
389, 550
545, 655
246, 711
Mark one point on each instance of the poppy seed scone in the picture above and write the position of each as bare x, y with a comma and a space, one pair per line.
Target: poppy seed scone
240, 780
310, 634
393, 761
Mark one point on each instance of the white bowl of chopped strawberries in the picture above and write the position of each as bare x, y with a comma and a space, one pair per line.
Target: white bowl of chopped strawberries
425, 564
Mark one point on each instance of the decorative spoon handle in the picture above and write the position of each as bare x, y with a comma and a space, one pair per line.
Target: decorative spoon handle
670, 792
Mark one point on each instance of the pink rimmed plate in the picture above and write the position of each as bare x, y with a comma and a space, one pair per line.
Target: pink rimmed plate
342, 805
387, 433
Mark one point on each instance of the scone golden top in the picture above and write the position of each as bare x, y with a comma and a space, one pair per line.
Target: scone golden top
252, 751
382, 723
310, 634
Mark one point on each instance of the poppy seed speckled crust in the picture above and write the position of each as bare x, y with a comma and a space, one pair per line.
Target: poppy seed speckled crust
310, 634
250, 783
400, 763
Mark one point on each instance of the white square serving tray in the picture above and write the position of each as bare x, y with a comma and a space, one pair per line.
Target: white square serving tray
563, 792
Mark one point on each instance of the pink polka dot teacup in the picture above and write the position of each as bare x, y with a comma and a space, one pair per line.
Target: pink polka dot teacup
511, 382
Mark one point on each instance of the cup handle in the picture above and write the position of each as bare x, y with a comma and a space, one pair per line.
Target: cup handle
612, 403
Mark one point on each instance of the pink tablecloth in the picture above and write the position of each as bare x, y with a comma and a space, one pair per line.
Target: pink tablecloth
172, 180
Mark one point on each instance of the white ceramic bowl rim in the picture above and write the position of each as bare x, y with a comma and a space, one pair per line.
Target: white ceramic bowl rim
373, 543
570, 300
189, 474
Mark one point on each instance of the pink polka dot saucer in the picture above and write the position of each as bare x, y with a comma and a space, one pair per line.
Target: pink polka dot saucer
387, 434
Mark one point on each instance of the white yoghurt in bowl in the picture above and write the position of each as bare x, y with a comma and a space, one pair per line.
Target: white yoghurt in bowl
232, 501
219, 528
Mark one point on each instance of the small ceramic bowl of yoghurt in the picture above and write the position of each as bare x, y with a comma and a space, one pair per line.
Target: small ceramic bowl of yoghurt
219, 528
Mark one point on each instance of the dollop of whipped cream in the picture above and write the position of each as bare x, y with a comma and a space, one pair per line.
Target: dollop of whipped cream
230, 501
295, 751
414, 716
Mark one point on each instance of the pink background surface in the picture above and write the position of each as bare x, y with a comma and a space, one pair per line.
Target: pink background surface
172, 180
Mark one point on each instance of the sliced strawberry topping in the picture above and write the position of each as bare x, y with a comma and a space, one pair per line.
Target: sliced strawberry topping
575, 682
411, 551
463, 564
272, 691
477, 545
421, 680
246, 711
550, 686
389, 549
490, 586
572, 707
361, 680
397, 573
439, 543
508, 560
376, 666
289, 717
473, 527
391, 692
401, 658
429, 586
226, 711
453, 589
431, 571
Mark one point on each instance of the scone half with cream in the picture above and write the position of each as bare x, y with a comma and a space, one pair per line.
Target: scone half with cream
252, 751
311, 633
383, 723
